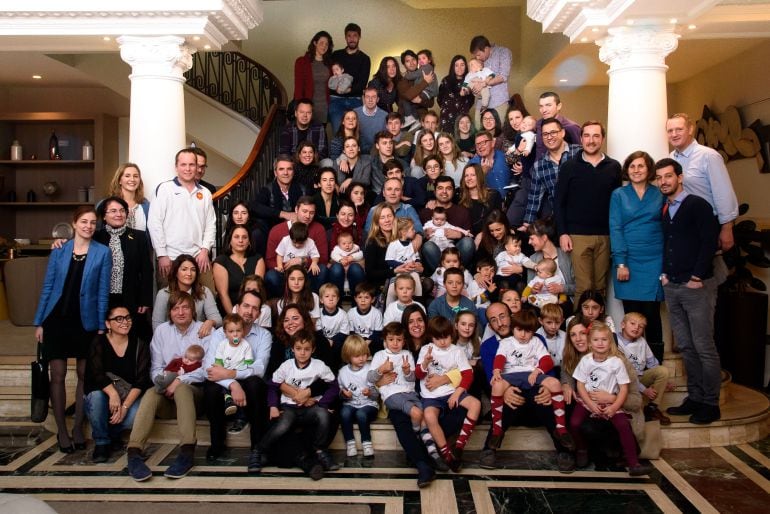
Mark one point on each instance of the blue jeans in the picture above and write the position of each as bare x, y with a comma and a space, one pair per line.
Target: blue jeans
274, 280
431, 254
337, 107
355, 275
361, 415
98, 412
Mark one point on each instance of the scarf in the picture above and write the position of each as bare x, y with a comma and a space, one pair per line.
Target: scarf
116, 275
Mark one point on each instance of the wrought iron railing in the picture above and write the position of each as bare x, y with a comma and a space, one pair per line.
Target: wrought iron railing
256, 171
236, 82
249, 89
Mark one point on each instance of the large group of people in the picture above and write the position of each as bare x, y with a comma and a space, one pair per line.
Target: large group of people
413, 262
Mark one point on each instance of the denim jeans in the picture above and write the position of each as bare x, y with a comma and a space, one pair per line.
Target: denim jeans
336, 275
431, 254
98, 411
292, 417
337, 107
361, 415
274, 280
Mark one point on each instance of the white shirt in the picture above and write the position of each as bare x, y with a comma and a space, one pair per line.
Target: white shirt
444, 360
403, 383
638, 354
365, 325
506, 259
335, 323
181, 221
439, 234
338, 253
234, 357
288, 251
554, 345
438, 281
168, 343
356, 381
260, 342
544, 296
400, 252
395, 310
301, 378
521, 356
607, 375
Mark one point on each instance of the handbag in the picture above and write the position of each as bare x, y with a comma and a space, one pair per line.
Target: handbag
120, 385
40, 387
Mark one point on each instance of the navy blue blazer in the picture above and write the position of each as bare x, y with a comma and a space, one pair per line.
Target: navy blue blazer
94, 289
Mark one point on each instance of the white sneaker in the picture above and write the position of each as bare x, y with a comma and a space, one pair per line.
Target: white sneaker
351, 449
368, 449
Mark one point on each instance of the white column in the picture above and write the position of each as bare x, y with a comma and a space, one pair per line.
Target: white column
637, 105
157, 124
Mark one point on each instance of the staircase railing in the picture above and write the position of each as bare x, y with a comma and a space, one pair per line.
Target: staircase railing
249, 89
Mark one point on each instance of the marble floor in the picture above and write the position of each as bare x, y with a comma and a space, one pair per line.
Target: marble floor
720, 479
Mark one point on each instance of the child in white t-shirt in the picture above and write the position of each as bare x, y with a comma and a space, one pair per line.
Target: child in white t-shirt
297, 245
359, 396
235, 355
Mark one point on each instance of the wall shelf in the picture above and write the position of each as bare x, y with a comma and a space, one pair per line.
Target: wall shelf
46, 162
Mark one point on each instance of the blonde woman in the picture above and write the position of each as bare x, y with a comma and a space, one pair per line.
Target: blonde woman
127, 184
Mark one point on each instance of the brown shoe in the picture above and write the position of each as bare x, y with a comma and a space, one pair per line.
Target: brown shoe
652, 413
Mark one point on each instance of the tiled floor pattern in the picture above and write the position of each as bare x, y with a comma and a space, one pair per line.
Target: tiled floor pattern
726, 479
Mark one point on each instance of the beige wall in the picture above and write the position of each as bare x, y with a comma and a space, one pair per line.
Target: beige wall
65, 99
388, 27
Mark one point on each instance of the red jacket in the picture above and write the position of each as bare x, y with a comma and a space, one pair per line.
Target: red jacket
316, 232
303, 79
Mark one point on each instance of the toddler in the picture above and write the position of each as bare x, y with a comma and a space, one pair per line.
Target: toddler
439, 225
653, 377
334, 321
536, 293
359, 396
478, 75
424, 67
525, 140
363, 319
440, 357
403, 252
346, 252
603, 370
299, 374
404, 285
511, 255
297, 245
235, 355
551, 317
522, 361
400, 395
450, 258
340, 82
192, 360
483, 289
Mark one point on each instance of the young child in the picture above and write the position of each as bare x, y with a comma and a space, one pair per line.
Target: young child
299, 374
551, 318
439, 225
359, 396
523, 361
525, 140
340, 81
403, 251
511, 255
449, 304
467, 339
364, 320
545, 275
450, 258
346, 252
603, 370
591, 305
478, 75
297, 244
334, 321
439, 357
235, 355
653, 377
424, 67
400, 395
404, 285
483, 290
192, 360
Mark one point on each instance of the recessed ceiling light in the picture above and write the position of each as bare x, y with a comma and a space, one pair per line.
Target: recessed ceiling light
562, 80
37, 77
583, 39
629, 22
207, 47
595, 29
692, 27
196, 38
673, 20
107, 38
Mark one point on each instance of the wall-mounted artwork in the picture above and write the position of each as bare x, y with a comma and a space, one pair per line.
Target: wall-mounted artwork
727, 134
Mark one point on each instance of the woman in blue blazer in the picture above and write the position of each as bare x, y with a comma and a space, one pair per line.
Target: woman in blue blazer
72, 308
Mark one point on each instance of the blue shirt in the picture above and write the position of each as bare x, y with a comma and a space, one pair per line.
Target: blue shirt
673, 205
404, 210
545, 174
260, 341
500, 175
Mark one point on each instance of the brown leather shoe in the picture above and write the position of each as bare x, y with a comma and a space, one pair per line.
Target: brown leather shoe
652, 412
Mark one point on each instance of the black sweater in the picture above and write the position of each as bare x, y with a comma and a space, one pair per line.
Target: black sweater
690, 240
358, 65
583, 196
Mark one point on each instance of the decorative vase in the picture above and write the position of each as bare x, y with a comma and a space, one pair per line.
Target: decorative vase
16, 151
53, 147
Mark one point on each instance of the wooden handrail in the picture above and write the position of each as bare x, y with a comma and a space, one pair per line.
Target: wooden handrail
264, 131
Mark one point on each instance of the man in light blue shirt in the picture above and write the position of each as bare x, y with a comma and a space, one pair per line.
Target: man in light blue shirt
391, 193
371, 119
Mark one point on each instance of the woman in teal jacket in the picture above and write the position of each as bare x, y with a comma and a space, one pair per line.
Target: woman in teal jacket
72, 308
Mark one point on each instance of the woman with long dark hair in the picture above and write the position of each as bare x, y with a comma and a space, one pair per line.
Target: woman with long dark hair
236, 261
452, 99
312, 72
385, 82
477, 197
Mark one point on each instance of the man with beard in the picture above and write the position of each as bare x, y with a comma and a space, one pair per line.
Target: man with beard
355, 63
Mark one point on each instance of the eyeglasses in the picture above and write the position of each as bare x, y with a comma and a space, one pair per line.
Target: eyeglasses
483, 142
551, 134
498, 319
115, 211
121, 319
432, 167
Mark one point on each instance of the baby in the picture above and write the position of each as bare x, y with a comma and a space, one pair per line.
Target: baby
479, 75
525, 140
340, 82
235, 355
346, 251
297, 245
546, 275
439, 225
191, 361
512, 255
